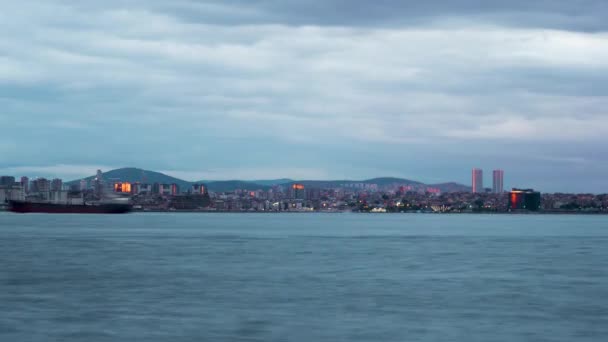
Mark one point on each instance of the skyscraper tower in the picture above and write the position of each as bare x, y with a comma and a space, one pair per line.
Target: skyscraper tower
25, 183
497, 181
477, 182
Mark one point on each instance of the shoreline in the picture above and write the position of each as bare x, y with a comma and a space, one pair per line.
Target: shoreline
369, 213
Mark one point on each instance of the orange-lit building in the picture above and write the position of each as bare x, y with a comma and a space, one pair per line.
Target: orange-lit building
297, 191
122, 187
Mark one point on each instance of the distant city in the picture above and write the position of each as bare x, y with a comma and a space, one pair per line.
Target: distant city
153, 191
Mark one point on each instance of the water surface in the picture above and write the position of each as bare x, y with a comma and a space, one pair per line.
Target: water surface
303, 277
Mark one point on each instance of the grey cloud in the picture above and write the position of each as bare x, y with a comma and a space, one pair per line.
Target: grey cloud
363, 87
578, 15
581, 15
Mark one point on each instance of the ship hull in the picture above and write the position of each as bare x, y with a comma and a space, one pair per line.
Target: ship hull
50, 208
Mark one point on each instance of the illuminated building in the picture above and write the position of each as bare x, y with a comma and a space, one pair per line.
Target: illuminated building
477, 181
497, 181
524, 199
298, 191
124, 188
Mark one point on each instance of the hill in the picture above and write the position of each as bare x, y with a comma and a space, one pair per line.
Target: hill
134, 175
228, 186
451, 187
272, 182
384, 181
381, 182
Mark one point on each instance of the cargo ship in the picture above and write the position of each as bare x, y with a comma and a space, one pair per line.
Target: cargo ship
24, 207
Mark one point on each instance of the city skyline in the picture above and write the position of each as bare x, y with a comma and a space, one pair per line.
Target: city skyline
308, 89
375, 196
476, 183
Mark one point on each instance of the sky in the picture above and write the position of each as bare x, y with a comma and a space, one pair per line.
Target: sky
315, 89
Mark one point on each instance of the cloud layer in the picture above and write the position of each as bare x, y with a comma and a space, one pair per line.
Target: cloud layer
345, 89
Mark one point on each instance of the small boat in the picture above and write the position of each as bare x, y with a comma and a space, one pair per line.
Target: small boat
24, 207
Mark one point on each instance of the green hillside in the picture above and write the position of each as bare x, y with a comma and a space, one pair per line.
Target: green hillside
134, 175
228, 186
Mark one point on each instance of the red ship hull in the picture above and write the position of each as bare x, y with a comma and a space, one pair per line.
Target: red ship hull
50, 208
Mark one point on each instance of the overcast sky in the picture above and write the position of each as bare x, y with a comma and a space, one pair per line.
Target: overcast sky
313, 89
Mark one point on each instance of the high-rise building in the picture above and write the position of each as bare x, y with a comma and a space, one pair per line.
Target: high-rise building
122, 187
298, 191
477, 180
497, 181
198, 189
98, 183
7, 180
83, 184
41, 185
56, 184
25, 183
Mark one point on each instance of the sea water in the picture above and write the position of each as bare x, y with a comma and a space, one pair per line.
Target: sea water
303, 277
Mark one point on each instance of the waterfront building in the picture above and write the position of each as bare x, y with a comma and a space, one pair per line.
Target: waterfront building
524, 199
98, 183
83, 184
165, 189
477, 180
200, 189
25, 183
121, 187
297, 191
7, 180
11, 192
41, 185
56, 184
313, 194
497, 181
144, 189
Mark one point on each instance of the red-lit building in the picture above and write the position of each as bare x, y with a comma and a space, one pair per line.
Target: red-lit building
524, 199
477, 181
